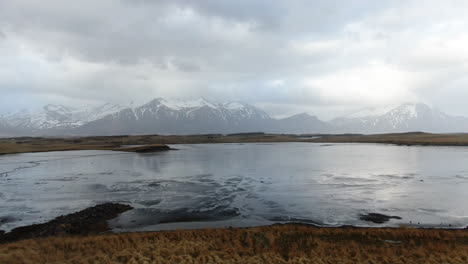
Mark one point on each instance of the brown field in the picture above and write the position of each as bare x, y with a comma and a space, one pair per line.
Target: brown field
273, 244
416, 138
26, 144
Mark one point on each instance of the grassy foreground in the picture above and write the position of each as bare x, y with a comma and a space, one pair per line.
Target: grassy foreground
272, 244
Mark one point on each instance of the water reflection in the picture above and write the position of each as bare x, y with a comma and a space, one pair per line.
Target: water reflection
241, 184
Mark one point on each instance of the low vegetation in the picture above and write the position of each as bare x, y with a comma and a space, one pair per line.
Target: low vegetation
273, 244
36, 144
28, 144
415, 138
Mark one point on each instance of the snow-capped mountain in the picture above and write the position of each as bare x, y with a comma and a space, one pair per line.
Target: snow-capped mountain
404, 118
50, 116
181, 117
373, 111
201, 116
94, 113
56, 117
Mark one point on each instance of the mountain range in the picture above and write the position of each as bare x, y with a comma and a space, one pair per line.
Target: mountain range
201, 116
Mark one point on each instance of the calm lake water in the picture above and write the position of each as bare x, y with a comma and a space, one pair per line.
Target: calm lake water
217, 185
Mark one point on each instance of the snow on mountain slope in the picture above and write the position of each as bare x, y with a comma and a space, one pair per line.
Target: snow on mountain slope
242, 111
404, 118
229, 111
95, 113
181, 117
179, 104
201, 116
225, 109
57, 116
410, 116
367, 112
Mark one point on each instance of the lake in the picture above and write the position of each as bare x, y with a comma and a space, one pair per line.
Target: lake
219, 185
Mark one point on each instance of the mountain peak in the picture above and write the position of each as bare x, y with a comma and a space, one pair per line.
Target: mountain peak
178, 116
411, 110
178, 104
56, 108
368, 112
407, 117
235, 105
303, 115
415, 105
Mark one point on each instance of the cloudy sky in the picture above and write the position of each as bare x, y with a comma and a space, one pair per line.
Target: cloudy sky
325, 57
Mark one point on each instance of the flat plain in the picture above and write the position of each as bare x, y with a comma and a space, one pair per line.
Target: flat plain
42, 144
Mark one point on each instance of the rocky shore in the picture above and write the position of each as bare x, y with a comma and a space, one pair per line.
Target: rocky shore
92, 220
82, 238
145, 149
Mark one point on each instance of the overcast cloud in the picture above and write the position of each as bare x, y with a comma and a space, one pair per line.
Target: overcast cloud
325, 57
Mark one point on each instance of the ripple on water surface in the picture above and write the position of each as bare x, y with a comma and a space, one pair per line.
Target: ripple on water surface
242, 184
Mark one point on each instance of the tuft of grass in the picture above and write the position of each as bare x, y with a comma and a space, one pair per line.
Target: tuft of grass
271, 244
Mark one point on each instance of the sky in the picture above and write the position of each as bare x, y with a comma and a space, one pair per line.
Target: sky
324, 57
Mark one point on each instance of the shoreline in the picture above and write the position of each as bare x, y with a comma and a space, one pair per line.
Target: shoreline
115, 143
85, 236
94, 220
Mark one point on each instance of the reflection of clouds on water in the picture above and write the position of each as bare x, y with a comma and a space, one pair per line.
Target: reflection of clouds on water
243, 184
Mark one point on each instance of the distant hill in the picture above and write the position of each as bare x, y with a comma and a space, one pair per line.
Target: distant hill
201, 116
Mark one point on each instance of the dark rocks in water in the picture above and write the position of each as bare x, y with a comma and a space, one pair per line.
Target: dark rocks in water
184, 215
148, 216
145, 149
88, 221
377, 218
6, 219
155, 184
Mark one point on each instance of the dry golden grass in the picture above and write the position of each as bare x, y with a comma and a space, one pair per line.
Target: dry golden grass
23, 145
273, 244
404, 139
